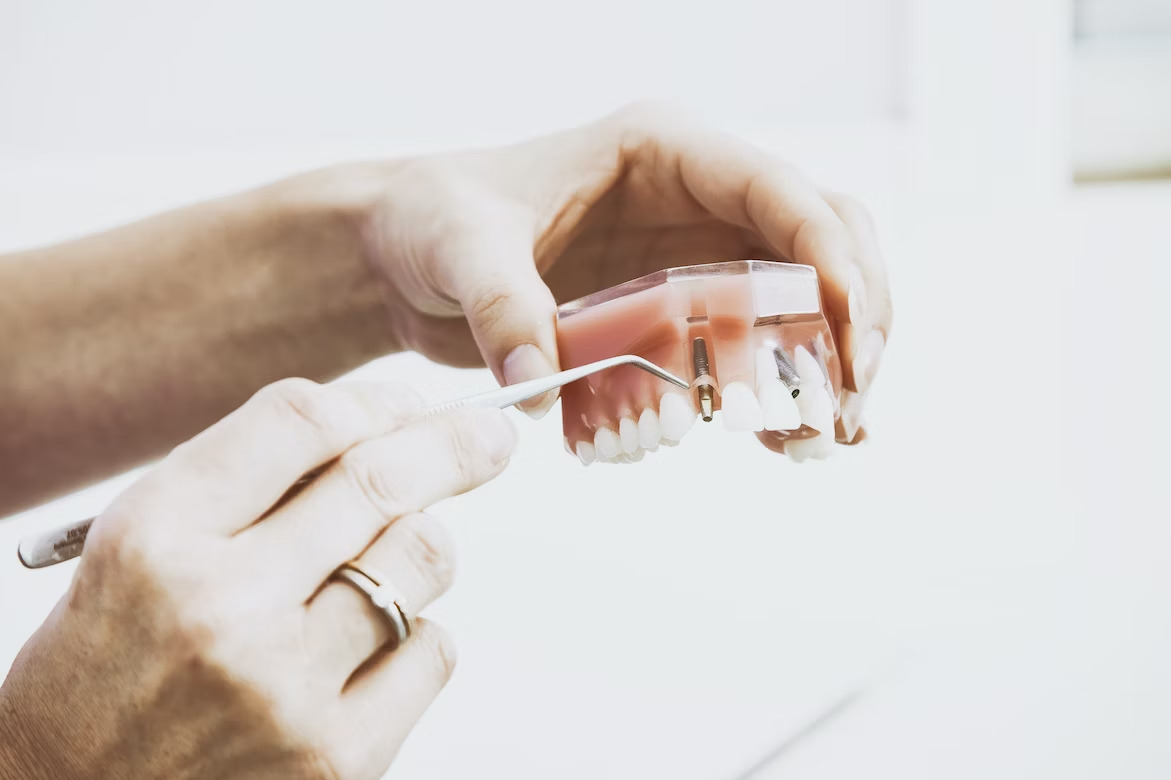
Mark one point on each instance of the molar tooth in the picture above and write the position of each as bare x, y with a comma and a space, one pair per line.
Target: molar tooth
648, 430
739, 408
628, 435
676, 416
586, 453
606, 443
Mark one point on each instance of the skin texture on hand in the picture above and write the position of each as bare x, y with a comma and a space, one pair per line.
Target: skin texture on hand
201, 637
117, 346
499, 237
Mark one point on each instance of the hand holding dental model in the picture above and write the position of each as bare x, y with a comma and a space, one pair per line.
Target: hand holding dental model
228, 620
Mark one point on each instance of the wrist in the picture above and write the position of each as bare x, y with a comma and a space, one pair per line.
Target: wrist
18, 750
319, 220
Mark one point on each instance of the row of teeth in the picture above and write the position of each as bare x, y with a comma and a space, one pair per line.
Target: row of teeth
770, 406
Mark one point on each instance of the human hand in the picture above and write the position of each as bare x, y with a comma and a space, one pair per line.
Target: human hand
202, 636
477, 248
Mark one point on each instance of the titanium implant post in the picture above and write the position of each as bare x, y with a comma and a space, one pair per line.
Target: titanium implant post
786, 370
703, 379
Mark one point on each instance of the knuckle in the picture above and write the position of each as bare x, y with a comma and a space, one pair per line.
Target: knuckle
382, 491
401, 397
196, 629
489, 304
301, 400
466, 446
850, 210
120, 541
438, 651
652, 116
431, 548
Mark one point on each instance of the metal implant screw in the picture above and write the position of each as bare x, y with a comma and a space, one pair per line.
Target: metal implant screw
786, 370
702, 372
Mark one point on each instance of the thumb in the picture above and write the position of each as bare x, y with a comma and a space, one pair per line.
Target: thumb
512, 316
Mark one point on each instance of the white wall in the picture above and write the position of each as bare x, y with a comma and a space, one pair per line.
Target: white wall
122, 75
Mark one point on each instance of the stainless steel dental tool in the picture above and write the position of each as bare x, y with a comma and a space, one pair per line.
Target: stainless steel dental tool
65, 543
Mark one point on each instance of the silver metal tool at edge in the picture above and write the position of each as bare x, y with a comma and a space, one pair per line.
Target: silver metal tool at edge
66, 543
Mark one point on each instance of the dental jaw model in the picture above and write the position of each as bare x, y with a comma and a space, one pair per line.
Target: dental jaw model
751, 336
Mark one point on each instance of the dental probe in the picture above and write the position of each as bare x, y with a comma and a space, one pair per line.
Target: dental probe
66, 543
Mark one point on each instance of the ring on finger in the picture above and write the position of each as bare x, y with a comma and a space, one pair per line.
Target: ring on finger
382, 594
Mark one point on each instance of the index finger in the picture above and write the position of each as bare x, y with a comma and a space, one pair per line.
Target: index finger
227, 477
744, 186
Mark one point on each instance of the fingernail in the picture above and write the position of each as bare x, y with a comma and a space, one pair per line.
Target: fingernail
495, 433
856, 296
522, 364
866, 360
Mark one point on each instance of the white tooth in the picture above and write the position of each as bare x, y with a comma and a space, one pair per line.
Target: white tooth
817, 410
565, 441
818, 447
628, 435
621, 457
586, 452
739, 408
675, 416
808, 369
780, 409
637, 455
776, 400
668, 442
606, 443
797, 450
648, 430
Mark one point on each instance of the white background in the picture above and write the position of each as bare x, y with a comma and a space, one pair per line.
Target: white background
993, 568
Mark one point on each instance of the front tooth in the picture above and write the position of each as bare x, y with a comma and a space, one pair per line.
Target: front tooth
628, 435
739, 408
817, 410
606, 443
648, 430
675, 416
818, 447
808, 369
781, 412
586, 452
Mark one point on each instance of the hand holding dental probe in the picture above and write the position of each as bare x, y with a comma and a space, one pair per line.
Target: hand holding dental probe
213, 631
67, 543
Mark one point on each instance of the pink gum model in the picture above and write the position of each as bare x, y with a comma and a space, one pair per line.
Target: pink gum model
752, 336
